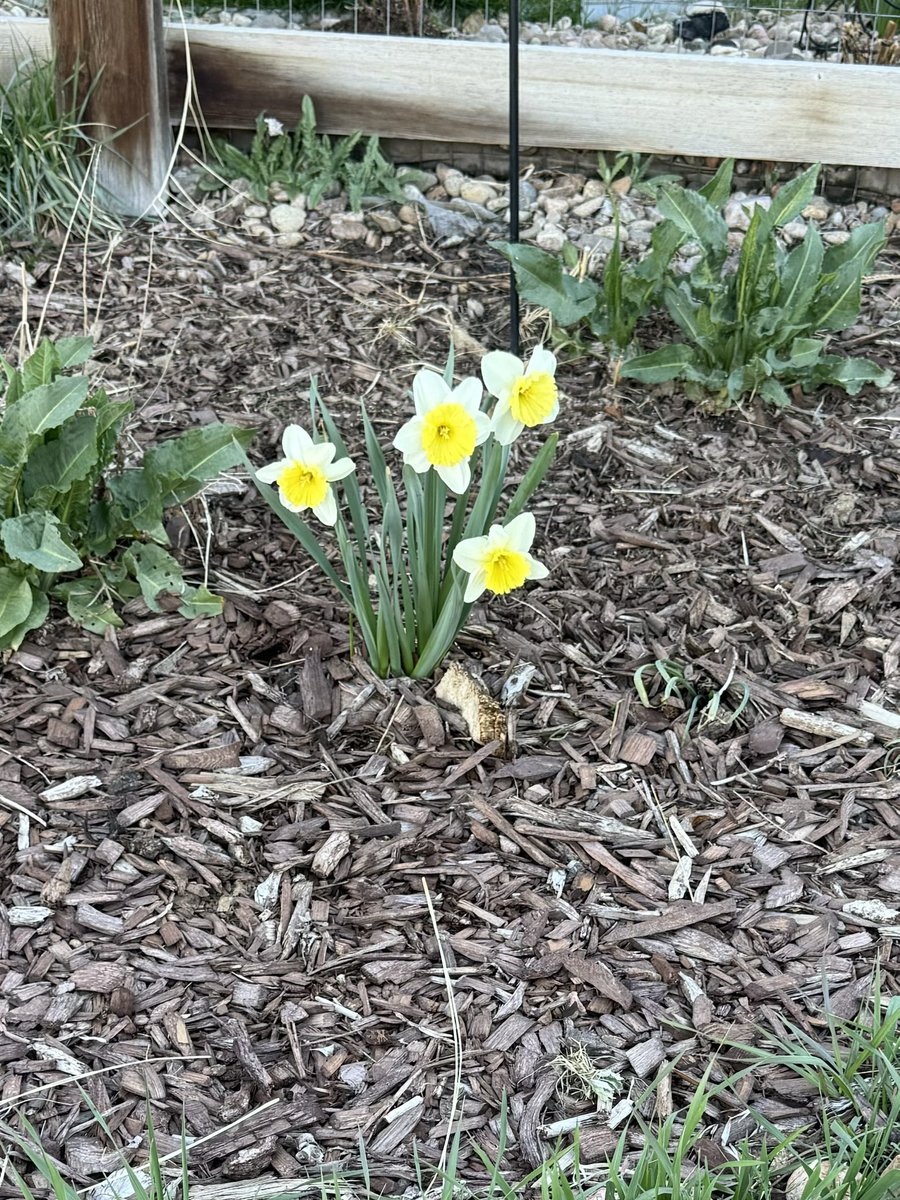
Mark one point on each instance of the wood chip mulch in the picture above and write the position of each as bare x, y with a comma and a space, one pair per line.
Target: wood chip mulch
221, 842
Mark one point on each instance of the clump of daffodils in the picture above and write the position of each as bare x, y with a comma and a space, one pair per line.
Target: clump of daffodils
411, 583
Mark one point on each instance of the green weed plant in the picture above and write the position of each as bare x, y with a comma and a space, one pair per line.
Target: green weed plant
74, 524
305, 162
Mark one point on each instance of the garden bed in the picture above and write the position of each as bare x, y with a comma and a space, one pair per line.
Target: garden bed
227, 916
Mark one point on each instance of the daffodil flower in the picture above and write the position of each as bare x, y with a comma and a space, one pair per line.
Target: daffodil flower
447, 427
500, 561
526, 396
305, 475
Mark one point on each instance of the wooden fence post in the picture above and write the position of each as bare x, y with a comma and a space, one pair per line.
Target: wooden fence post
112, 52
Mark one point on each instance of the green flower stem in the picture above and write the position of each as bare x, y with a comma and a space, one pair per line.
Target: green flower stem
417, 548
446, 628
435, 504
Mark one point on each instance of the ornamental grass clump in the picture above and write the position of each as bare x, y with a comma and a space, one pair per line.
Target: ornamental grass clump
411, 580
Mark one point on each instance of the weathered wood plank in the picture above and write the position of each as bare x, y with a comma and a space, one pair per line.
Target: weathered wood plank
112, 56
581, 99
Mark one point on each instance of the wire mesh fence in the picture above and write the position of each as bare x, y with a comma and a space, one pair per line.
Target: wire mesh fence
847, 31
859, 31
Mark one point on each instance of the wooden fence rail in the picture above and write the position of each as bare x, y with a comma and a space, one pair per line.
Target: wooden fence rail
427, 89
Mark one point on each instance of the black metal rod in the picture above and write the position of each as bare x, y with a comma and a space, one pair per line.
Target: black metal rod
513, 168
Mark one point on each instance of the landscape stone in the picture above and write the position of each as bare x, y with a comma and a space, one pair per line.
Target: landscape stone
287, 218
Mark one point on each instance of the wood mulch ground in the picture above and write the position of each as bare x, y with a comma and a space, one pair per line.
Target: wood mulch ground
216, 837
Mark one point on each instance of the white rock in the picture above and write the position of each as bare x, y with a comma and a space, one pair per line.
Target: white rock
477, 191
551, 238
256, 212
795, 231
818, 209
453, 182
287, 218
836, 237
587, 208
348, 227
593, 188
287, 241
269, 20
385, 221
738, 212
556, 207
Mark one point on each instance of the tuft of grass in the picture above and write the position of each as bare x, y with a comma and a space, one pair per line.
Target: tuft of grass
849, 1150
47, 179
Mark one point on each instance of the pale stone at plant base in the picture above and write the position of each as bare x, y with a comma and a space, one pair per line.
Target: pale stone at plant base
453, 182
551, 238
818, 209
287, 241
556, 208
256, 212
795, 231
260, 230
477, 192
738, 211
287, 218
348, 227
594, 204
593, 188
385, 221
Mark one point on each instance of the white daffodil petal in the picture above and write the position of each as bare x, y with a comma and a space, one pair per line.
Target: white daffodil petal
483, 425
327, 510
476, 585
500, 370
469, 553
296, 442
320, 454
408, 438
541, 360
552, 415
339, 470
505, 427
429, 390
457, 477
538, 570
519, 533
270, 473
468, 393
